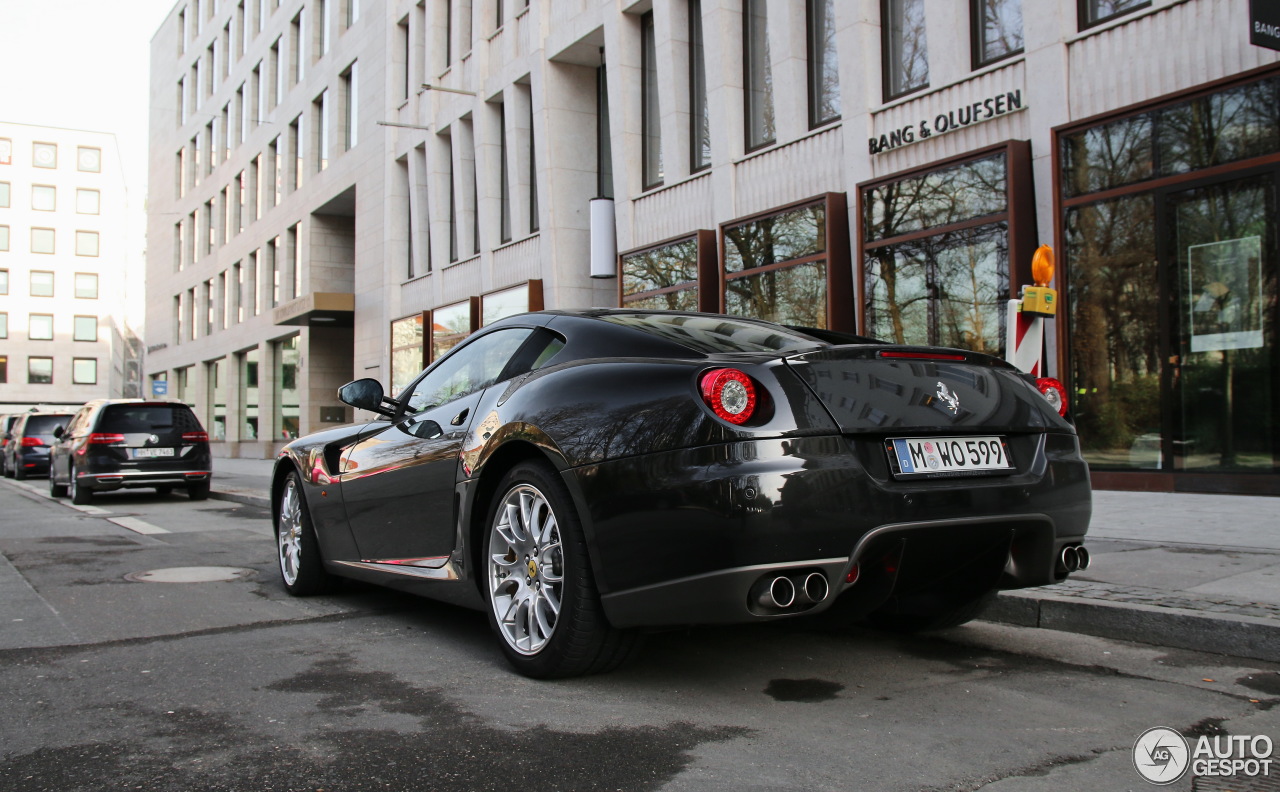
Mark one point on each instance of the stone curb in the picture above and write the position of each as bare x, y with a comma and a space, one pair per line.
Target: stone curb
1222, 633
261, 501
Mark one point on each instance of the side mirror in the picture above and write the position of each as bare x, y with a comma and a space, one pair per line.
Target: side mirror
365, 394
58, 431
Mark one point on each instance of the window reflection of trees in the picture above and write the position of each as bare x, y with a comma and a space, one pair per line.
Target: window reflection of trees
1001, 28
908, 55
795, 294
647, 273
1211, 130
945, 288
1112, 303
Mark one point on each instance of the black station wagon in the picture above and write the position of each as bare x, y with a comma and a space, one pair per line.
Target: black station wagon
112, 444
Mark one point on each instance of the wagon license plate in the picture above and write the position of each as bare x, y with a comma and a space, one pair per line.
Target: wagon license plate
151, 453
949, 456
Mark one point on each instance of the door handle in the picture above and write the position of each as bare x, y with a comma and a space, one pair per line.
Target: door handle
460, 417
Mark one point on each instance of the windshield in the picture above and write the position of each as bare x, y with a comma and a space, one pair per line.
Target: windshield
718, 333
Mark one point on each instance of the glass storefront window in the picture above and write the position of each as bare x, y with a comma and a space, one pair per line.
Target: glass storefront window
249, 395
662, 278
1225, 127
287, 387
511, 301
406, 352
1172, 298
945, 288
775, 267
449, 325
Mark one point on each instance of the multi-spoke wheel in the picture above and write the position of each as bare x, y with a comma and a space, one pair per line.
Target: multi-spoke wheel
301, 566
542, 596
80, 496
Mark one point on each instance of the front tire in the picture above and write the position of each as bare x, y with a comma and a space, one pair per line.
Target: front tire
297, 549
80, 496
20, 474
543, 601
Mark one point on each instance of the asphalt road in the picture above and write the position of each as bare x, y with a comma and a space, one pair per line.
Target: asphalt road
109, 683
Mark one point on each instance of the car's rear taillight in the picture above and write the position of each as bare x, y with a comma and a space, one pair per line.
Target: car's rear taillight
1055, 392
730, 394
105, 438
195, 437
32, 442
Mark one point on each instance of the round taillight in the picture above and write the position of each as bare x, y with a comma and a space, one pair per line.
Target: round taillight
730, 394
1054, 392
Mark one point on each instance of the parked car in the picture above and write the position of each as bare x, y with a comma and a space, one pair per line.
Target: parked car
32, 436
583, 475
6, 426
128, 443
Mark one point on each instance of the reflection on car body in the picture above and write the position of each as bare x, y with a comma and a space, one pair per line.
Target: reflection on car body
582, 476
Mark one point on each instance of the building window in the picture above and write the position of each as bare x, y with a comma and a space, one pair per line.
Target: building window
87, 285
296, 139
775, 267
84, 371
4, 195
937, 250
650, 113
824, 64
286, 387
906, 56
4, 324
664, 277
353, 12
41, 283
4, 238
450, 324
351, 106
453, 198
322, 12
408, 352
533, 174
4, 369
699, 114
44, 197
320, 116
44, 155
89, 159
510, 301
1095, 12
997, 30
504, 192
298, 44
39, 371
40, 327
6, 151
42, 240
757, 78
88, 201
4, 281
86, 243
86, 328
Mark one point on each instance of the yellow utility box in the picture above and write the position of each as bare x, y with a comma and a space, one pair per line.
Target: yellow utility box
1040, 300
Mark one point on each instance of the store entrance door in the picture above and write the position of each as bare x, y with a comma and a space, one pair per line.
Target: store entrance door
1222, 400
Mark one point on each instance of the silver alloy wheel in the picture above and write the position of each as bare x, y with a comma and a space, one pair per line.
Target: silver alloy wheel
71, 482
526, 569
289, 537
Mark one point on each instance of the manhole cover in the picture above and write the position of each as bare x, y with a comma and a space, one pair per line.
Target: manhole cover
205, 574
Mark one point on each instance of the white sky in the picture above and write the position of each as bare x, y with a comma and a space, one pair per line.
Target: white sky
83, 64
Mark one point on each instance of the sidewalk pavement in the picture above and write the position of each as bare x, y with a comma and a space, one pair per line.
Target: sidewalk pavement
1188, 571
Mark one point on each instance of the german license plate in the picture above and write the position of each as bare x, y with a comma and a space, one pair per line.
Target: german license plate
949, 456
152, 453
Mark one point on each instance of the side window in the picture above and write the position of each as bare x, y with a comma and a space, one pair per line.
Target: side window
77, 424
470, 368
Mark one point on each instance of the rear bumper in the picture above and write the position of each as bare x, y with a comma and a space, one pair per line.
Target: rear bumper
686, 537
105, 482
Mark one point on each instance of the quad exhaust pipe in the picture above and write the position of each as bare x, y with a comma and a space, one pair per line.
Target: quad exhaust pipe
784, 591
1074, 558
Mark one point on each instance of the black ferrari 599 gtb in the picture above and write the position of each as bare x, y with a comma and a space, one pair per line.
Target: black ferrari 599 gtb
582, 476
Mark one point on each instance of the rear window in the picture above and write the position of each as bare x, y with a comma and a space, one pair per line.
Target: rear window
712, 334
126, 418
43, 425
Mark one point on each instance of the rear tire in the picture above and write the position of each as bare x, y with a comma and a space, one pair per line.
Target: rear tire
297, 549
80, 496
198, 490
543, 602
20, 474
937, 615
56, 490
